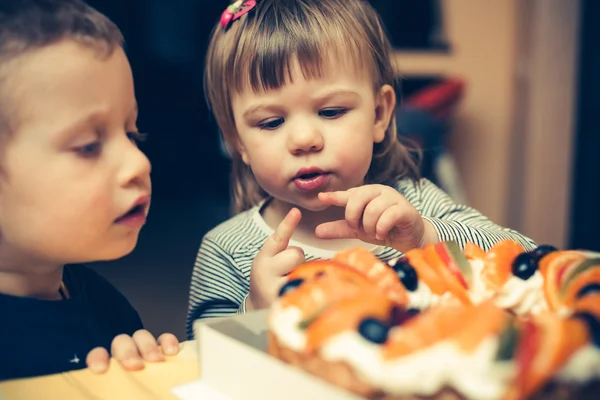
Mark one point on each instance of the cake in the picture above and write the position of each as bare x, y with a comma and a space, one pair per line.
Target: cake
446, 323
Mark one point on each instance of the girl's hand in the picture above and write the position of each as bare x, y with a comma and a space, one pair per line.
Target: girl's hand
377, 214
275, 260
133, 351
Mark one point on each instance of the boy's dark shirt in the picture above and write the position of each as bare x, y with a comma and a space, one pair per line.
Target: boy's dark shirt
42, 337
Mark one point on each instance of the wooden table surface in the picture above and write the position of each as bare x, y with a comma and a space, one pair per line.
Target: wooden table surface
154, 382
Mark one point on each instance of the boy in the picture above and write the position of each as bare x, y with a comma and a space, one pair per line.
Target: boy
74, 188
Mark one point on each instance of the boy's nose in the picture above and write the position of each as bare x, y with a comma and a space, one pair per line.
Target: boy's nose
136, 168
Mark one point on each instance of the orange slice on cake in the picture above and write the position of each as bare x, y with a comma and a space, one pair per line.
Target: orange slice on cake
589, 303
545, 348
498, 262
429, 327
313, 297
582, 285
455, 260
474, 252
454, 281
312, 270
566, 275
348, 314
426, 273
555, 266
565, 255
383, 275
486, 320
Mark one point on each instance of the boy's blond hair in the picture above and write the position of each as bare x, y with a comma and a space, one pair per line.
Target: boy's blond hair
26, 25
262, 47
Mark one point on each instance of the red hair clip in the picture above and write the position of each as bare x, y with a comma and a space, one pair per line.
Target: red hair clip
235, 11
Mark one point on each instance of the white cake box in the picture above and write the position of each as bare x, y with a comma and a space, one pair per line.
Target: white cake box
234, 362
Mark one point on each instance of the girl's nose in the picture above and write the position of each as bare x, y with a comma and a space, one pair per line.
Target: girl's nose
305, 139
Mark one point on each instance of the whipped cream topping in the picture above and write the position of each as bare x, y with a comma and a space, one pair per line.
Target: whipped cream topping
523, 296
285, 324
582, 367
423, 298
426, 372
518, 295
476, 374
473, 374
478, 291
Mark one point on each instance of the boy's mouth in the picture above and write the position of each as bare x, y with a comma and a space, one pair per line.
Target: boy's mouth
137, 213
139, 209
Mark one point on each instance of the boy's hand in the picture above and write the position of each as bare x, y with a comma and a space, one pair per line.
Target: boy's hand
273, 262
133, 351
377, 214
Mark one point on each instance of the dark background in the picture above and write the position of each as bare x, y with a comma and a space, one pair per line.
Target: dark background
585, 223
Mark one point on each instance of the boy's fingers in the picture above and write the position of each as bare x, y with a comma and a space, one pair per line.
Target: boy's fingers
147, 346
168, 343
97, 360
280, 239
124, 349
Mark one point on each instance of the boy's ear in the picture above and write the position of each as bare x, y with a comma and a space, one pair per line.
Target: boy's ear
385, 107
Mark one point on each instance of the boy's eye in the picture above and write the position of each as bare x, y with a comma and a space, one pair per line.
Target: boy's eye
89, 150
332, 113
136, 137
271, 124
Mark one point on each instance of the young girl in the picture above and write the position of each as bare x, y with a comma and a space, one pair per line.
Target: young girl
303, 92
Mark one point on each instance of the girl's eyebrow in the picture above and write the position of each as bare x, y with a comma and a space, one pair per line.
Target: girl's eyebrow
258, 107
321, 98
338, 92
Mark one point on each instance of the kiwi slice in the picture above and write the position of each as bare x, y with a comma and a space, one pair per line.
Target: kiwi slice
507, 342
583, 266
305, 323
460, 260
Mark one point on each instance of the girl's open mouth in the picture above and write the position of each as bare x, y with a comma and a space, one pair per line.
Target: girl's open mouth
311, 181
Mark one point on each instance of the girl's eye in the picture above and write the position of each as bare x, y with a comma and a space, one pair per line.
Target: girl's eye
271, 124
136, 137
332, 113
89, 150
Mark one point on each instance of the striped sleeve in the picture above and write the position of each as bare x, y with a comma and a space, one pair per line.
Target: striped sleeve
457, 222
217, 288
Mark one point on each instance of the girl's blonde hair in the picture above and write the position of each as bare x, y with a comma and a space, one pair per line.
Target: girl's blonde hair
259, 51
